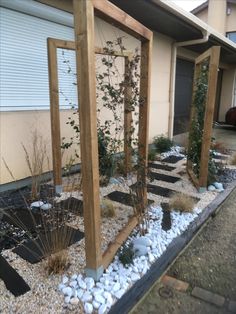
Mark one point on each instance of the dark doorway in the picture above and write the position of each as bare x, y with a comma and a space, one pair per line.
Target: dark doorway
218, 95
183, 95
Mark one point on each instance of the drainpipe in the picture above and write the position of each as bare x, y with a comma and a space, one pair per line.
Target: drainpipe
173, 73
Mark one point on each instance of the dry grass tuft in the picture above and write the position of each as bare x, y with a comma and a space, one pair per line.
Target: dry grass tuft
181, 202
57, 263
232, 160
107, 209
219, 147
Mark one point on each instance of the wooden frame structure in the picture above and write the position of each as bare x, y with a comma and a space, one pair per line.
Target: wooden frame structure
54, 44
213, 55
84, 12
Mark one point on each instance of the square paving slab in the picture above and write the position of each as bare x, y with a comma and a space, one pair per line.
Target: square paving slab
163, 177
160, 166
123, 198
172, 159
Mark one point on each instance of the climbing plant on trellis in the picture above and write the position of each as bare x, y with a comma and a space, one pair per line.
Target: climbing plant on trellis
200, 165
84, 12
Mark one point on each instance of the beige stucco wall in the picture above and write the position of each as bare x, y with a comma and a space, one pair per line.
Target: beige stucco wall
17, 127
227, 91
203, 15
231, 19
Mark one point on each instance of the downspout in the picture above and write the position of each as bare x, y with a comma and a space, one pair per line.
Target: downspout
175, 46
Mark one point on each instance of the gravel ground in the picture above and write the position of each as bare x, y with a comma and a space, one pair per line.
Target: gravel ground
44, 296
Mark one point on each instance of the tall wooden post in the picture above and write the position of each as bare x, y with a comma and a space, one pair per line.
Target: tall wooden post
85, 60
55, 115
145, 84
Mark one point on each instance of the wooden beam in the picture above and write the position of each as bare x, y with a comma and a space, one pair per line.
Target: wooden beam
209, 114
55, 115
117, 17
145, 85
85, 62
127, 116
110, 252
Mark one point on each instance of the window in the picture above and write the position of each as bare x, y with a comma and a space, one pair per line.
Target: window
24, 64
231, 36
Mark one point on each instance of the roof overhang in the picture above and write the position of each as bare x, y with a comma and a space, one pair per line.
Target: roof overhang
170, 20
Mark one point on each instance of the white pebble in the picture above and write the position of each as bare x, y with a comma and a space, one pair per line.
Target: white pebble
74, 301
67, 299
80, 292
87, 297
119, 293
99, 298
88, 308
102, 309
73, 284
67, 291
96, 304
65, 279
82, 284
116, 287
135, 277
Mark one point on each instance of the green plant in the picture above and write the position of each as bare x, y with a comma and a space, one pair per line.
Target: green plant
152, 155
107, 209
181, 202
126, 254
197, 125
162, 143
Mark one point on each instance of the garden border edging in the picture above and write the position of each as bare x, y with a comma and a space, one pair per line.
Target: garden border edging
139, 289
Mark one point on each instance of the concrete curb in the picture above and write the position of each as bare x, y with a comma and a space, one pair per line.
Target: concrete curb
140, 288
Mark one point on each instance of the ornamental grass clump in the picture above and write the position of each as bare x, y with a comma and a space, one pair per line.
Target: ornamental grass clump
181, 202
107, 209
162, 143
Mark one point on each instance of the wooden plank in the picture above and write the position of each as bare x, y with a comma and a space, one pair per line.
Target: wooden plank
145, 84
54, 113
115, 16
86, 75
203, 56
110, 252
209, 113
127, 117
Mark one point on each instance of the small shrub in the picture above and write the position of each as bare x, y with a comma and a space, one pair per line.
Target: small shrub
107, 209
181, 202
57, 263
152, 155
162, 143
232, 160
126, 254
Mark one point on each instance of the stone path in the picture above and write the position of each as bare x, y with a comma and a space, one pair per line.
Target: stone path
205, 272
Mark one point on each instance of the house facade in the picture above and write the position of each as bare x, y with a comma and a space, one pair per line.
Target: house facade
25, 25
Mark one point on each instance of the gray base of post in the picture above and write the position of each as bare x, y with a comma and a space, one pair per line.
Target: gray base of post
202, 190
94, 273
58, 189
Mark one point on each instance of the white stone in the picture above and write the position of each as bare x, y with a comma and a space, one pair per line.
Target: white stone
87, 297
88, 308
74, 301
80, 292
211, 188
106, 294
145, 241
218, 186
65, 279
99, 285
90, 283
96, 304
73, 283
82, 284
151, 258
61, 286
140, 250
74, 277
119, 293
116, 287
75, 293
46, 206
36, 204
67, 291
99, 298
67, 299
97, 290
102, 309
135, 277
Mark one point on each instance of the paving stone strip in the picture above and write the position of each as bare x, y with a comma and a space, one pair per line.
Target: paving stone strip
208, 296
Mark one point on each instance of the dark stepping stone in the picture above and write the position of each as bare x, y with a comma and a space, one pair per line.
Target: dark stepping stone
72, 204
163, 177
123, 198
13, 281
34, 251
172, 159
159, 190
166, 220
24, 219
160, 166
220, 157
